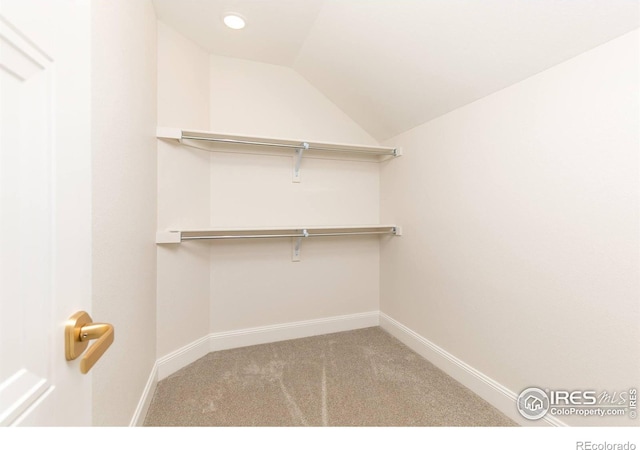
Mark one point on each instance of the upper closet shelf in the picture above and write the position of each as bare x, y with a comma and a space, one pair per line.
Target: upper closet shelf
312, 146
229, 142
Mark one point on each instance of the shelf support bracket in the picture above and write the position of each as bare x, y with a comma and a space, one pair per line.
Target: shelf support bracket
297, 160
168, 237
297, 243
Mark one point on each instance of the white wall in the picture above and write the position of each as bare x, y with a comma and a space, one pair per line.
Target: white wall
183, 192
206, 287
520, 216
124, 201
255, 283
269, 100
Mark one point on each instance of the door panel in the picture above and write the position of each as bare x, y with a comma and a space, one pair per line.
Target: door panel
44, 159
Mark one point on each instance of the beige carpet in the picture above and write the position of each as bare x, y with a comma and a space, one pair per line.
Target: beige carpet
356, 378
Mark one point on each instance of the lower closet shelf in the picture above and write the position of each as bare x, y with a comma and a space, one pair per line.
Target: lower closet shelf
177, 236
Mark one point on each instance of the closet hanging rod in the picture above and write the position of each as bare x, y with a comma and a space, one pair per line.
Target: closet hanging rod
177, 236
261, 236
389, 152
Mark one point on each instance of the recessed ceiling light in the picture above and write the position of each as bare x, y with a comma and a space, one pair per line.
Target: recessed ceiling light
234, 21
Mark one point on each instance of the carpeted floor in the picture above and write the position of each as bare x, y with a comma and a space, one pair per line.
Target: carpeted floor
356, 378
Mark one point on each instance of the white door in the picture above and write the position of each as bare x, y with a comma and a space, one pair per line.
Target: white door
45, 208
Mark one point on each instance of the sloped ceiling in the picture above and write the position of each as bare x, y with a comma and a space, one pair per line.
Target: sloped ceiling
394, 64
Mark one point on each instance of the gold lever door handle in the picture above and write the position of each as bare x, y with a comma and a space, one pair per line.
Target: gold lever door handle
78, 331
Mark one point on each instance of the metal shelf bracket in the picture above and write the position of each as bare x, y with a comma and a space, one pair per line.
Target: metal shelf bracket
297, 160
297, 243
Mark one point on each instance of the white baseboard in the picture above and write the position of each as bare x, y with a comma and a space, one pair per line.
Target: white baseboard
490, 390
184, 356
145, 400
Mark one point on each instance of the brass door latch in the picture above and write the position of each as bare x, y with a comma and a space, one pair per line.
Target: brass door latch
78, 331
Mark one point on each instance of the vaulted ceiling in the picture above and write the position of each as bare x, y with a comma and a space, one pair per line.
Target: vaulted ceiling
394, 64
